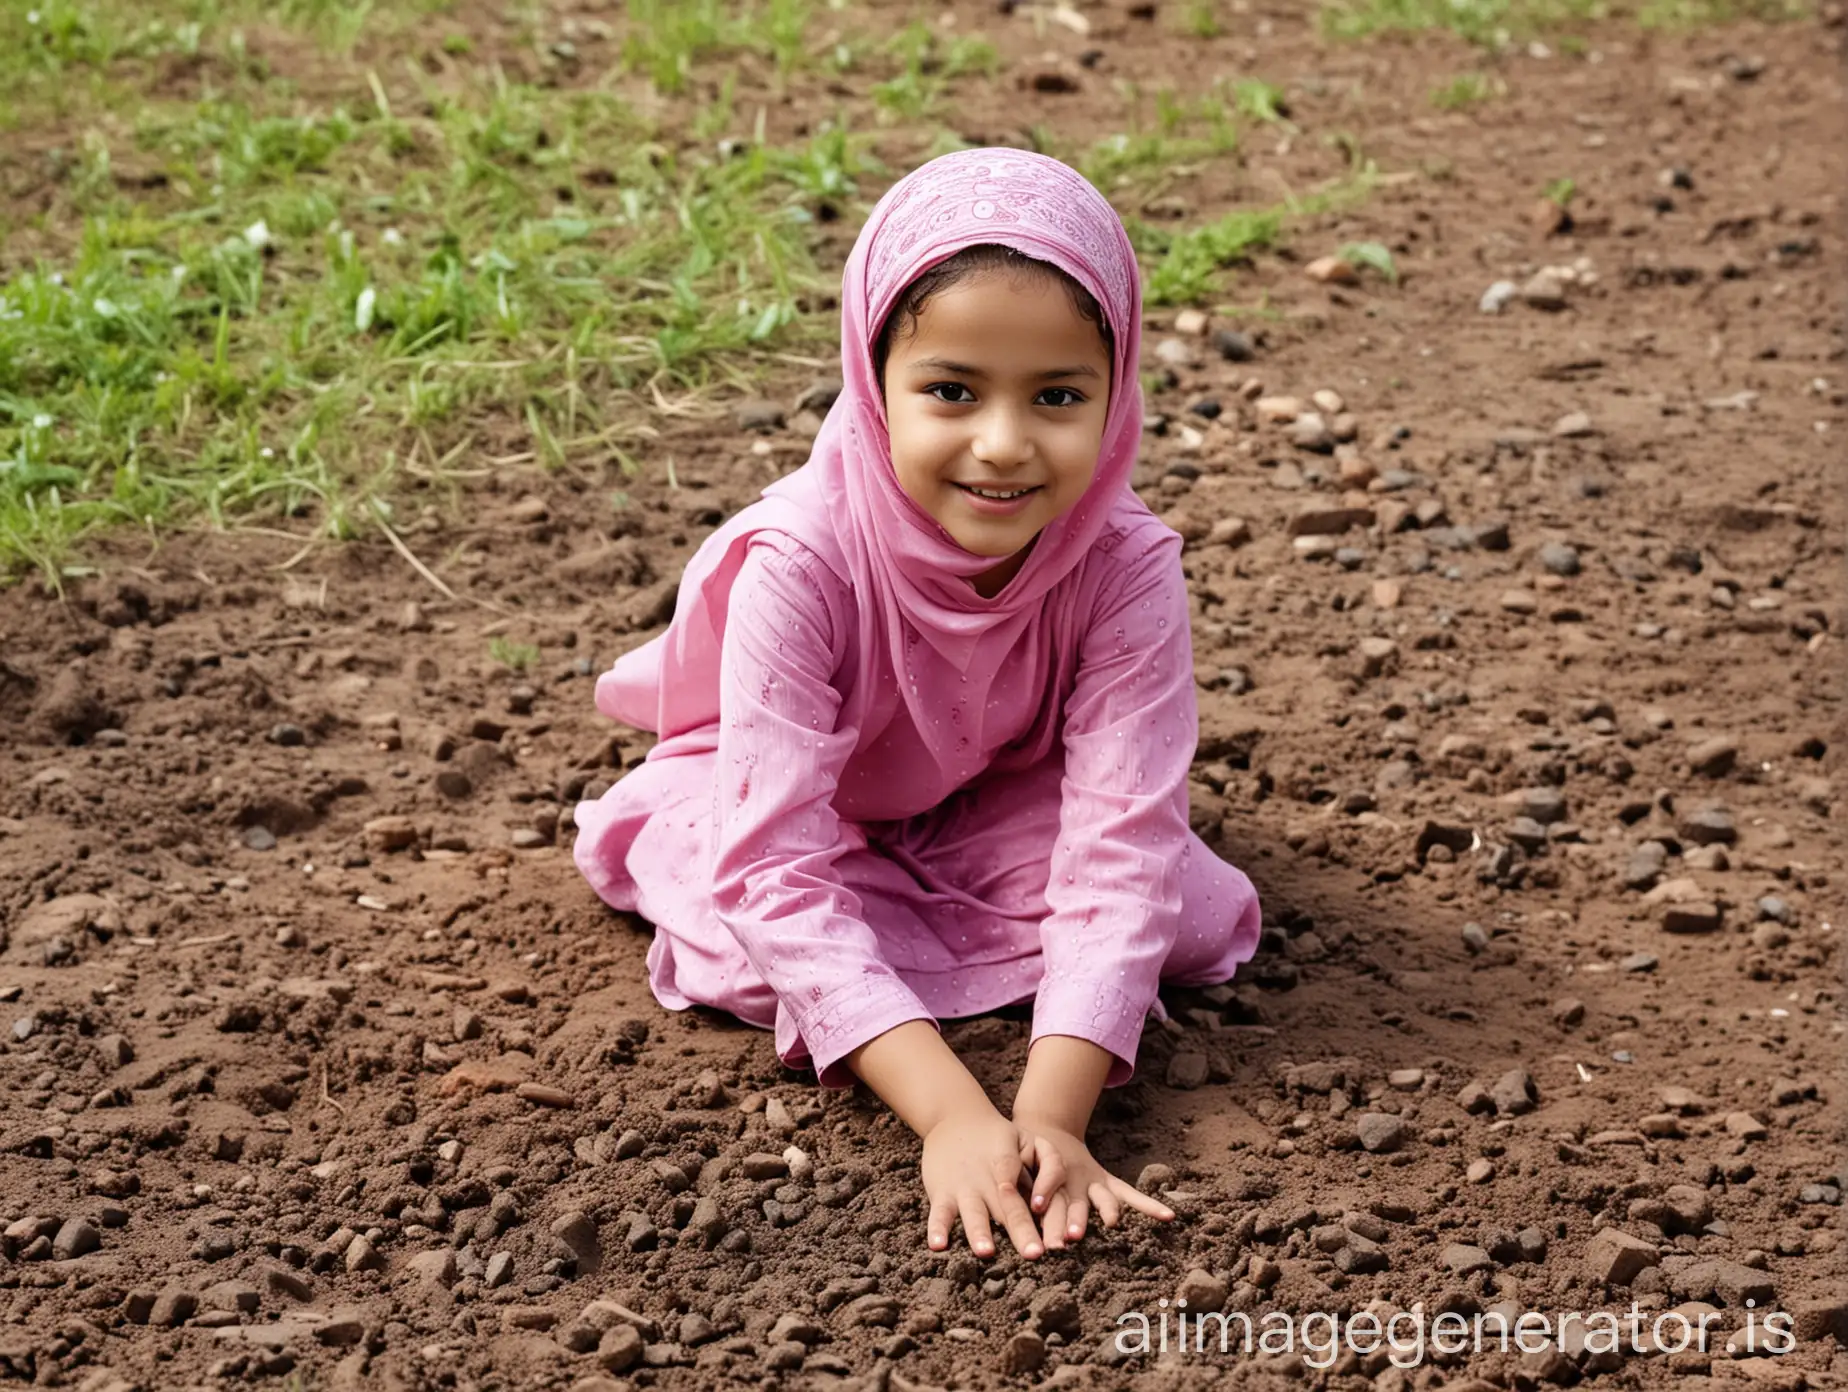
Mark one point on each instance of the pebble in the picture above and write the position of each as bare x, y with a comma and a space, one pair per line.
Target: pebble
1309, 431
1712, 826
1187, 1070
1380, 1132
500, 1270
1616, 1258
288, 736
1497, 296
1574, 425
1774, 909
1462, 1258
1480, 1171
1233, 346
1644, 867
1543, 805
1513, 1093
1024, 1353
1557, 558
1202, 1290
76, 1238
1331, 270
1714, 757
1544, 290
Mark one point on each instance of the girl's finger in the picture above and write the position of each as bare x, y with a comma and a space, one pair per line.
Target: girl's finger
1012, 1209
1052, 1226
975, 1224
1077, 1217
1051, 1173
1140, 1201
1109, 1211
942, 1215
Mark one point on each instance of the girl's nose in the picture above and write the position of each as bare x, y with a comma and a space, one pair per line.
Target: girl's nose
1002, 439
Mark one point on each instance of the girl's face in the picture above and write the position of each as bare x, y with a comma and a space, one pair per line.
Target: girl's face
996, 407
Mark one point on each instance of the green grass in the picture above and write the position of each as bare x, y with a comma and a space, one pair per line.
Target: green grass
317, 294
1491, 23
1466, 90
1693, 14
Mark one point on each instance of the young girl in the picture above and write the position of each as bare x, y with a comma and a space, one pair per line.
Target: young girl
927, 710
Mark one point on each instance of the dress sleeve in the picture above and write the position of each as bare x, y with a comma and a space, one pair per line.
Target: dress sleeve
781, 750
1114, 886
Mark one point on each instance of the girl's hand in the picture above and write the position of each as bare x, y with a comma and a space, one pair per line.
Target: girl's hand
972, 1170
1068, 1183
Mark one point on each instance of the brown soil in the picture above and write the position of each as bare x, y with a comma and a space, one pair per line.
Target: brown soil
314, 1035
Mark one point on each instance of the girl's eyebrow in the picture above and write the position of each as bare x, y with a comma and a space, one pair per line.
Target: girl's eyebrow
966, 370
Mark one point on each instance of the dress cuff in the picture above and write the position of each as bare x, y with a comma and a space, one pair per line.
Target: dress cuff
1080, 1005
827, 1030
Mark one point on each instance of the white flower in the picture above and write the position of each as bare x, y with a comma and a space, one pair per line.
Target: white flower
362, 311
266, 453
392, 237
32, 16
41, 421
258, 234
105, 309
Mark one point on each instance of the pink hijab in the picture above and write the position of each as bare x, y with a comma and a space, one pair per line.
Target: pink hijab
911, 579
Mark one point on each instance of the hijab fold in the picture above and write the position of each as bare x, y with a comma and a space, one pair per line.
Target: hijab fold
910, 578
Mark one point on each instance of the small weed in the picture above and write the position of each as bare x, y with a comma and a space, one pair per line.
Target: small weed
1491, 23
1202, 20
1370, 254
521, 657
1694, 14
1561, 191
1466, 90
1258, 100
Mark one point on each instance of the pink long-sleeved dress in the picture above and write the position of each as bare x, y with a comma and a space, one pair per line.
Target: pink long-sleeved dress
831, 883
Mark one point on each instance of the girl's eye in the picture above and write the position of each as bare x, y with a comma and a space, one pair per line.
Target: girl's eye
1072, 396
937, 389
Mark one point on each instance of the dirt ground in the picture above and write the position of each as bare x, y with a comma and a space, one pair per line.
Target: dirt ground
318, 1060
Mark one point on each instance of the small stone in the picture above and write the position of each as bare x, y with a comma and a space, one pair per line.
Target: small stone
1278, 410
1331, 270
1497, 296
1645, 865
1568, 1012
1233, 346
1380, 1132
76, 1238
1745, 1126
544, 1095
1574, 425
1309, 431
1714, 757
1187, 1070
288, 736
1202, 1290
1405, 1079
172, 1308
342, 1329
1544, 805
1480, 1171
579, 1236
1615, 1258
1712, 826
1513, 1093
1694, 917
499, 1271
758, 415
1024, 1353
1191, 322
1544, 290
362, 1256
1518, 602
393, 833
1461, 1258
1638, 962
1556, 558
436, 1268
